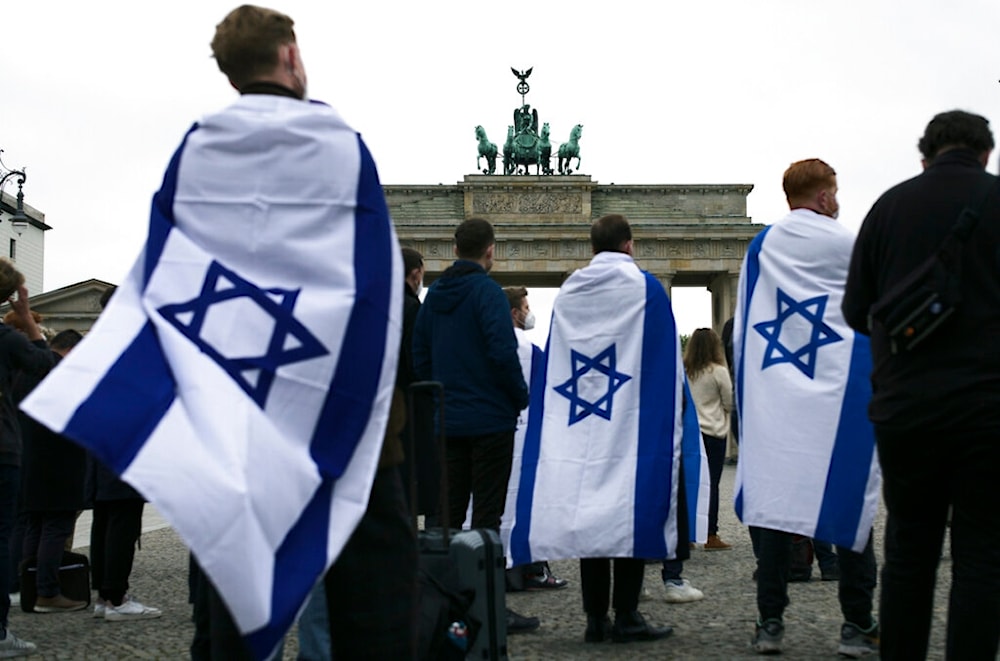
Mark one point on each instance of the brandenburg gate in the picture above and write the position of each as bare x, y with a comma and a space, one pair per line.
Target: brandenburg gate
685, 235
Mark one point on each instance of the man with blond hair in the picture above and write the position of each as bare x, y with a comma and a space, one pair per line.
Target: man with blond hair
807, 452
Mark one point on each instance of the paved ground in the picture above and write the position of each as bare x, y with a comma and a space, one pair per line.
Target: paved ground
718, 627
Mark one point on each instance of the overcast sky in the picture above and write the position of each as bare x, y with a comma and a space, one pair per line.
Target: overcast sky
96, 95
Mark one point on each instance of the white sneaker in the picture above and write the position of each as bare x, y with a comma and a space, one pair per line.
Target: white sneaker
100, 608
130, 610
15, 599
679, 593
12, 646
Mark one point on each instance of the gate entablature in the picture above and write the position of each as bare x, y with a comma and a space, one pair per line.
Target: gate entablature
686, 235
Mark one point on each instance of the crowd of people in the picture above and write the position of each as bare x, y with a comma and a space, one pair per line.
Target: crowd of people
609, 444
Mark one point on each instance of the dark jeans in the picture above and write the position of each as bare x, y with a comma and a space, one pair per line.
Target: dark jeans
10, 484
857, 578
45, 542
715, 450
480, 466
923, 473
672, 570
595, 583
113, 536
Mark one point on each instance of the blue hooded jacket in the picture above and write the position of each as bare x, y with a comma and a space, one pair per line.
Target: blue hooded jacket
464, 338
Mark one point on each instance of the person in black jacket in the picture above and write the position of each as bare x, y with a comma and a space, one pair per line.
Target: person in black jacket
28, 354
53, 471
936, 409
114, 534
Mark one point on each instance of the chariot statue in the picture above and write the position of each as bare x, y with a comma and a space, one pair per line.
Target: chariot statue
526, 145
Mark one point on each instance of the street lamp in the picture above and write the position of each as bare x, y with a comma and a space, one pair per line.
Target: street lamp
19, 220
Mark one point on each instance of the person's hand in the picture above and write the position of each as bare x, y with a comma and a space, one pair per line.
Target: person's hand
23, 310
20, 305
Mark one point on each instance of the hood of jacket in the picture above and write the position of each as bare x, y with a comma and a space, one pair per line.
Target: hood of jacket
454, 285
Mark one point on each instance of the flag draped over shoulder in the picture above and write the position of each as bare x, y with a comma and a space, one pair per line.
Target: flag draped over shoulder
600, 463
807, 450
241, 377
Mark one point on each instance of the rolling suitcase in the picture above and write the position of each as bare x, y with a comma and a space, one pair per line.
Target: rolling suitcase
466, 566
74, 580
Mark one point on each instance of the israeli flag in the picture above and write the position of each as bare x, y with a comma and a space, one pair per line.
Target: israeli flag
241, 377
807, 450
602, 450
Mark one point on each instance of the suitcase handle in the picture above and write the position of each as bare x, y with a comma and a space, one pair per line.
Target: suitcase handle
436, 388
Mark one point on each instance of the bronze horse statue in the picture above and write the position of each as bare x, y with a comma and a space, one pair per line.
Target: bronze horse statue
487, 150
544, 151
570, 150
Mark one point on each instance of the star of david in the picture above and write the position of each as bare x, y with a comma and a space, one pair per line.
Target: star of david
604, 363
290, 341
804, 357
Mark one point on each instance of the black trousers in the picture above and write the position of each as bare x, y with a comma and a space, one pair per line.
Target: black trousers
924, 472
113, 536
45, 542
595, 583
857, 577
479, 466
715, 451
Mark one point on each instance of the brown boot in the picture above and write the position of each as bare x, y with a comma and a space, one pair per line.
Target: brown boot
58, 604
716, 544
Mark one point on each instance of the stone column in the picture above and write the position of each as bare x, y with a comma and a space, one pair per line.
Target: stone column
723, 287
666, 279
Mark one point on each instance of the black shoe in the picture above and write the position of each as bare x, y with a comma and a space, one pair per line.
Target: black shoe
544, 581
519, 623
598, 629
630, 627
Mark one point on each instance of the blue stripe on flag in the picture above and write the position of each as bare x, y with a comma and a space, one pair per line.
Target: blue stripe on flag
656, 423
691, 457
297, 567
752, 273
520, 549
161, 217
846, 484
301, 558
355, 382
132, 397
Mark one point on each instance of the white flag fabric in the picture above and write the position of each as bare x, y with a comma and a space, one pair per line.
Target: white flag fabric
807, 449
601, 458
241, 377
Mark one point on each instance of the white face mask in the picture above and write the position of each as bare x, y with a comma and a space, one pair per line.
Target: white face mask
420, 288
529, 321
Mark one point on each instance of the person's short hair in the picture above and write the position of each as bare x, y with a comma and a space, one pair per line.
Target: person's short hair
246, 42
515, 296
65, 340
106, 296
956, 128
803, 179
473, 237
411, 260
610, 233
10, 279
13, 319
